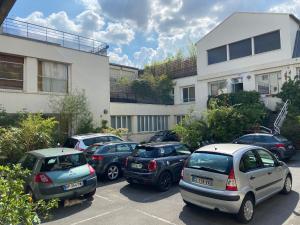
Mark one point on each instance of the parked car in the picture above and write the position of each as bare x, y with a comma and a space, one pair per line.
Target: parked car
109, 158
164, 136
158, 164
59, 173
233, 178
81, 142
281, 147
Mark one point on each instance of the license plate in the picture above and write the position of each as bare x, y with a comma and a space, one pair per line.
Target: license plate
136, 165
202, 181
73, 186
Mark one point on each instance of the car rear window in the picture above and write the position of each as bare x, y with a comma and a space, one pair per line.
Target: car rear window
94, 148
213, 162
147, 152
63, 162
280, 138
70, 143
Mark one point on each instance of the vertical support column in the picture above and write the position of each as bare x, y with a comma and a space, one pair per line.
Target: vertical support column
172, 121
134, 124
30, 75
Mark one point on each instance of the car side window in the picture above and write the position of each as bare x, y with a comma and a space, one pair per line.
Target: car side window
264, 139
248, 138
249, 162
168, 151
114, 139
266, 158
123, 148
133, 146
90, 141
29, 162
182, 150
49, 164
101, 139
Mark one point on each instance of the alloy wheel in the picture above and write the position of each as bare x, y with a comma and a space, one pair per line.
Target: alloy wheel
248, 210
288, 184
113, 172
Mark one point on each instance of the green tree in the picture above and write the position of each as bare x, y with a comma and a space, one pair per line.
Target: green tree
16, 207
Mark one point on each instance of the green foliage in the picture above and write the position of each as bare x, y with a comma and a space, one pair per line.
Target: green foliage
291, 128
291, 91
16, 207
192, 131
10, 119
34, 132
124, 81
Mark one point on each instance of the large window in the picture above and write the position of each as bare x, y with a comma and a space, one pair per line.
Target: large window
121, 122
188, 94
52, 77
240, 49
267, 83
217, 87
217, 55
11, 72
267, 42
179, 118
152, 123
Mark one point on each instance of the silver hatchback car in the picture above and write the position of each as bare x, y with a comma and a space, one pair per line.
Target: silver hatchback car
233, 178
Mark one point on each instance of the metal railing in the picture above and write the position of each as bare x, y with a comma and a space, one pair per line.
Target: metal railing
281, 117
45, 34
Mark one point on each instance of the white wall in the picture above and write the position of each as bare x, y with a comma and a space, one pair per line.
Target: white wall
87, 71
179, 84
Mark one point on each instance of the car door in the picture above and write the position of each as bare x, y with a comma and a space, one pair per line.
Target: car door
123, 151
274, 174
171, 160
253, 172
182, 153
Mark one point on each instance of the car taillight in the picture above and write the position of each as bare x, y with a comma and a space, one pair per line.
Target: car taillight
182, 173
280, 145
231, 182
42, 178
152, 166
126, 162
92, 171
97, 157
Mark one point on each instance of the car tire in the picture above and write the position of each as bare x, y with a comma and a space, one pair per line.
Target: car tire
188, 203
246, 212
112, 172
287, 187
129, 181
90, 194
164, 181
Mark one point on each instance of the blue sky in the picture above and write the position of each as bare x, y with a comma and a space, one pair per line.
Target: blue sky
141, 31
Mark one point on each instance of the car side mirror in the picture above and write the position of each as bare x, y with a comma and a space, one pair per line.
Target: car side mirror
280, 163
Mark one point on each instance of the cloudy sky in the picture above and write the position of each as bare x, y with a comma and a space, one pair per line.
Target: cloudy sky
141, 31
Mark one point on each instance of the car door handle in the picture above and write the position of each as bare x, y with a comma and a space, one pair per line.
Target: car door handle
252, 178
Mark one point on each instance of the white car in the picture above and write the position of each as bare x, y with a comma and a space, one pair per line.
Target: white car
83, 141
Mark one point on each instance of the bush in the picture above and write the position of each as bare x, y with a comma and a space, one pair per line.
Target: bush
291, 128
291, 91
34, 132
16, 207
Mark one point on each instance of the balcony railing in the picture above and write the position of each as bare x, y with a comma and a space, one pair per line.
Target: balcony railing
45, 34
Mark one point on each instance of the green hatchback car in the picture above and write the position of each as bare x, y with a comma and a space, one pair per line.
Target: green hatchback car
61, 173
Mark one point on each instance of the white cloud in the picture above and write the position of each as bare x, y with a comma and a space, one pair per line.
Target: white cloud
114, 57
90, 4
144, 56
292, 6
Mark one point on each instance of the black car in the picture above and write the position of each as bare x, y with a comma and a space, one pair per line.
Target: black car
164, 136
109, 158
281, 147
157, 164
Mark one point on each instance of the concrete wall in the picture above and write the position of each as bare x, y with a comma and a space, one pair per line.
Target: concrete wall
86, 71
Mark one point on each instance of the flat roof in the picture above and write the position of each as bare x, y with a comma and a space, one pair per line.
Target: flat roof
51, 152
124, 66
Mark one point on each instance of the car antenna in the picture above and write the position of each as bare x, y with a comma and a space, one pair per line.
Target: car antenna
58, 145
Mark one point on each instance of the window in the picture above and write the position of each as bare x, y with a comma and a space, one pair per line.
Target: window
11, 72
267, 42
217, 87
217, 55
249, 162
188, 94
182, 150
240, 49
114, 139
268, 83
245, 139
28, 162
52, 77
121, 122
179, 118
237, 85
264, 139
63, 162
123, 148
152, 123
266, 158
168, 151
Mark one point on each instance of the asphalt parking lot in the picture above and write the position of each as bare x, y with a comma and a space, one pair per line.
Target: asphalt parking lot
120, 203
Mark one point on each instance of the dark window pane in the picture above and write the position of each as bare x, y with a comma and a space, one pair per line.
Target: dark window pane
29, 162
240, 49
70, 143
192, 93
267, 42
113, 121
248, 162
185, 93
217, 55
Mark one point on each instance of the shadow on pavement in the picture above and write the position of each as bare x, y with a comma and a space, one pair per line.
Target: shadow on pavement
102, 182
274, 211
146, 193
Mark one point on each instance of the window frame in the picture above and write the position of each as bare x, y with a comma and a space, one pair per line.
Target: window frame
278, 76
260, 36
125, 122
209, 62
270, 154
258, 162
152, 123
217, 82
231, 45
189, 98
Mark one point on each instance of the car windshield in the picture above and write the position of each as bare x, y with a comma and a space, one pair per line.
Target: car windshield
70, 143
146, 152
213, 162
280, 138
63, 162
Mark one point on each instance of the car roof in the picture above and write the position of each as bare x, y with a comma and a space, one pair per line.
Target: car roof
51, 152
114, 143
229, 149
85, 136
160, 144
259, 134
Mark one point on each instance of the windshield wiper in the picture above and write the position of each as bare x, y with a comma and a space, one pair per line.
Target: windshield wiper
206, 169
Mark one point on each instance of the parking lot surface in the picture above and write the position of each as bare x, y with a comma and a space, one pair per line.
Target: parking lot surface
117, 203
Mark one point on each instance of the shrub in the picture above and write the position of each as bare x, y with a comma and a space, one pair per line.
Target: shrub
291, 128
16, 207
291, 91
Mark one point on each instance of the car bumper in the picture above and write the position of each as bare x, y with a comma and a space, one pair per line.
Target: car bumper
142, 178
210, 199
58, 192
286, 154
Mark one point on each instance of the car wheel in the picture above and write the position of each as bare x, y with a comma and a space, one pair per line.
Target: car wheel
245, 215
90, 194
112, 172
188, 203
287, 187
164, 181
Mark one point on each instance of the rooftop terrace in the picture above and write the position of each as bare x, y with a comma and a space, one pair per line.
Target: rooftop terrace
39, 33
